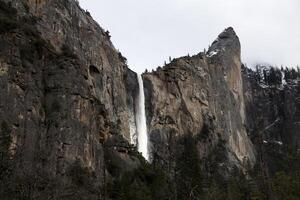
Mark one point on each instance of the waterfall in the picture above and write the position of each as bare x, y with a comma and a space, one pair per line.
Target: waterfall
141, 125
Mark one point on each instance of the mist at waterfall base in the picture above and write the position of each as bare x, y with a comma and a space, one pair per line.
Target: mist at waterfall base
141, 125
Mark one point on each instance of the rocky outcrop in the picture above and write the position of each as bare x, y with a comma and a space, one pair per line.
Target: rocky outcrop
200, 95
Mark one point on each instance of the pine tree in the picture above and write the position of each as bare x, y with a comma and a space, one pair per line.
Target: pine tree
188, 170
5, 140
265, 76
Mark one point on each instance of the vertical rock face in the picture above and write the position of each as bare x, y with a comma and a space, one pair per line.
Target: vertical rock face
228, 47
65, 24
64, 88
273, 115
200, 95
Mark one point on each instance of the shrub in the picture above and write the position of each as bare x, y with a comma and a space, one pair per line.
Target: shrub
7, 24
5, 138
67, 52
55, 107
145, 183
8, 20
78, 174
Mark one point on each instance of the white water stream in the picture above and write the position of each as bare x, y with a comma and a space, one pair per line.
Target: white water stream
141, 125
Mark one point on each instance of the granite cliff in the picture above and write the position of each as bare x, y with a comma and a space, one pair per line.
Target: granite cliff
201, 95
67, 115
65, 90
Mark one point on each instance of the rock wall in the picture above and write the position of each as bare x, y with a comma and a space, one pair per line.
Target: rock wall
201, 95
273, 115
64, 88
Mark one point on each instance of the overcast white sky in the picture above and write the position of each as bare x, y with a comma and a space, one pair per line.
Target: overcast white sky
147, 32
